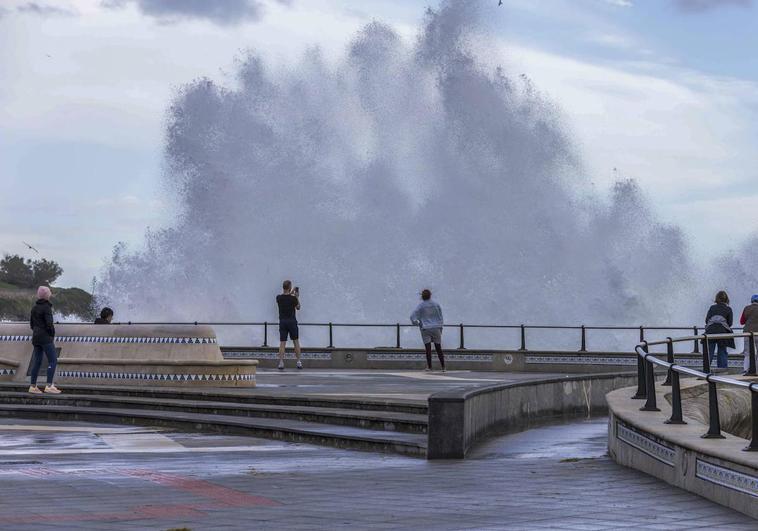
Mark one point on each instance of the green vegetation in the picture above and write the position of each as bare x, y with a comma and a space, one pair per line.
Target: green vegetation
25, 273
19, 279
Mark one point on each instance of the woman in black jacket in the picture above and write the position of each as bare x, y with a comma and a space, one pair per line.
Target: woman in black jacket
719, 321
43, 335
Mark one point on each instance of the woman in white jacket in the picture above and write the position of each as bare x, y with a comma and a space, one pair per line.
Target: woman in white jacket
428, 317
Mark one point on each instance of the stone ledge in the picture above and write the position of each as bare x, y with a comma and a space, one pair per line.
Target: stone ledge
190, 363
717, 469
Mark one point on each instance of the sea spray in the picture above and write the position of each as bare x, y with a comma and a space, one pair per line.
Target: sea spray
399, 167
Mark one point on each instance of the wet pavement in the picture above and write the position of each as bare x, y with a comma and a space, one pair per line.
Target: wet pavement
66, 475
414, 385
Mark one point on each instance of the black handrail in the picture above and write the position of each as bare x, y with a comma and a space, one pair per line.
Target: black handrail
714, 423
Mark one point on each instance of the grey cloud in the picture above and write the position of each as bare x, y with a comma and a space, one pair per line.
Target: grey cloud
45, 10
704, 5
228, 12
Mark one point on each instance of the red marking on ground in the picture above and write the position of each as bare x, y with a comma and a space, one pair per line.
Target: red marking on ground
220, 497
168, 511
205, 489
37, 472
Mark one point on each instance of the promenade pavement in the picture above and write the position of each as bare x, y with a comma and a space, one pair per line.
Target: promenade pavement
400, 385
63, 475
73, 475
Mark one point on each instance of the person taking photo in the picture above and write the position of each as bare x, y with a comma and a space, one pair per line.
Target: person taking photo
288, 302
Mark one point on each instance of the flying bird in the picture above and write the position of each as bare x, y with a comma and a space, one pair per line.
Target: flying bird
30, 247
500, 3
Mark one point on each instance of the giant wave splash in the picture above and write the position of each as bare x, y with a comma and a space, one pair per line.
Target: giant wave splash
400, 167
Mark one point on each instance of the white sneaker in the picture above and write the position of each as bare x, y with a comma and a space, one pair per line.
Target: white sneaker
33, 389
427, 369
281, 365
299, 364
52, 390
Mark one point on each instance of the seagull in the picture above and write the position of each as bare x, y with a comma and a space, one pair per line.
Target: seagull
500, 3
30, 247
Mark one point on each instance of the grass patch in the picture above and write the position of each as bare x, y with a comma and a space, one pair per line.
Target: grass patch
16, 303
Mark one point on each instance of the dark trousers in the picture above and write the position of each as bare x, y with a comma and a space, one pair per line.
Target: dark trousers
52, 360
440, 355
722, 359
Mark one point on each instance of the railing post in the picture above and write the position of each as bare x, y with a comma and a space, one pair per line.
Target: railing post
650, 403
642, 334
265, 334
331, 336
676, 400
641, 393
397, 335
463, 343
584, 339
753, 446
670, 359
706, 355
523, 338
751, 369
714, 422
696, 345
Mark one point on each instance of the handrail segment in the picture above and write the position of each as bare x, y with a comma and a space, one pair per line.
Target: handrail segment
461, 327
647, 362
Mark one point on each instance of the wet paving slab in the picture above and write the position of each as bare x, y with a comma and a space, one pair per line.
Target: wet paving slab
553, 477
414, 385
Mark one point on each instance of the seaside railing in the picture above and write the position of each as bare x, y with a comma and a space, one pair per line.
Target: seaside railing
646, 363
579, 332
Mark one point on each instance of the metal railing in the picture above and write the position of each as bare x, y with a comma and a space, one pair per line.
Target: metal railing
331, 327
646, 363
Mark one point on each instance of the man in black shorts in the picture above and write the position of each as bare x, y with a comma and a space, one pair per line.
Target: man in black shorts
288, 303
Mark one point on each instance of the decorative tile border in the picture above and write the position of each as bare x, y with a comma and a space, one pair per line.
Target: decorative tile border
645, 444
7, 372
726, 477
255, 354
158, 377
413, 356
611, 360
580, 360
110, 339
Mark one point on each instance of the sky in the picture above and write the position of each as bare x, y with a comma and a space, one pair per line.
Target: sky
662, 91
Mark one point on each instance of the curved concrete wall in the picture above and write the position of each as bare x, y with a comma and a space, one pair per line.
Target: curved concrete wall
460, 418
716, 469
130, 354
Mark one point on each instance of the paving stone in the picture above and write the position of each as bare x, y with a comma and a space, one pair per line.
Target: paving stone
303, 487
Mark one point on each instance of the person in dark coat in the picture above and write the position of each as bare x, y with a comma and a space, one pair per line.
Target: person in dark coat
43, 336
106, 316
719, 321
749, 322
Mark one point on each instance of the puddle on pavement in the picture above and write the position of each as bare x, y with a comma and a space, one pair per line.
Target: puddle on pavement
21, 440
565, 442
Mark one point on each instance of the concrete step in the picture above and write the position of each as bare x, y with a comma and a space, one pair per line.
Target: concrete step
241, 396
280, 429
360, 418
